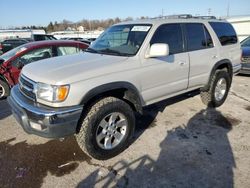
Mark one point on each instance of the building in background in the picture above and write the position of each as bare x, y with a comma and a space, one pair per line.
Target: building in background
76, 34
241, 25
19, 33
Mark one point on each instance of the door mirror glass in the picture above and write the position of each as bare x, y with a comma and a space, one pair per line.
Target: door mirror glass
158, 50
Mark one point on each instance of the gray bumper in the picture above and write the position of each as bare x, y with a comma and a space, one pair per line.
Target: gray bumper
236, 68
245, 68
42, 120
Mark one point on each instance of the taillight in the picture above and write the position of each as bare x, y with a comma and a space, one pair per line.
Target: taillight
1, 47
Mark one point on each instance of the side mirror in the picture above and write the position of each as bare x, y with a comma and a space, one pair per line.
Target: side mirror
158, 50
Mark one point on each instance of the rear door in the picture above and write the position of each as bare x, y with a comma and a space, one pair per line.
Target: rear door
202, 53
164, 76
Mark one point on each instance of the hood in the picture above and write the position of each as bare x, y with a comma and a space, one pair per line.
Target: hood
71, 68
245, 51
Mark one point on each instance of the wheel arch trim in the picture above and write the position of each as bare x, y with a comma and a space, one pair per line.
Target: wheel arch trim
131, 94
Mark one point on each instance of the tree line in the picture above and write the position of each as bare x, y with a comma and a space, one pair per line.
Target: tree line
87, 24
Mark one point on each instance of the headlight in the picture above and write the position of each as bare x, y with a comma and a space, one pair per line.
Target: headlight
51, 93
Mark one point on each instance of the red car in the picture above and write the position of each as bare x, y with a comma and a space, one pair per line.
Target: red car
12, 61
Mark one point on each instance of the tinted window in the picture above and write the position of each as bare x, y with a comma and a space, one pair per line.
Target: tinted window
197, 37
170, 34
225, 32
208, 38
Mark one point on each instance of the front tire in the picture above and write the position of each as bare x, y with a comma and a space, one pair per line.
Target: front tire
218, 89
4, 89
107, 128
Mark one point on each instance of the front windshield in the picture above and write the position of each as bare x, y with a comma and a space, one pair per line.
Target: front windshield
6, 56
122, 40
246, 42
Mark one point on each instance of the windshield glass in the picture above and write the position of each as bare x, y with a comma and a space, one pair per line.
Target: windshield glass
122, 40
6, 56
246, 42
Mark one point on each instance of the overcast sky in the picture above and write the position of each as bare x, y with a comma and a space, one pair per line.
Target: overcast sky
41, 12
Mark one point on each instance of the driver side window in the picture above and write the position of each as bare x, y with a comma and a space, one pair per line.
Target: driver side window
34, 55
170, 34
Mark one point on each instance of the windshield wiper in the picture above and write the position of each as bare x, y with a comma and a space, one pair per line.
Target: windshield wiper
91, 50
113, 52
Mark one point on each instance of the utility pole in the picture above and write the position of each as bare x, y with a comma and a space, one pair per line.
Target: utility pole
209, 11
162, 12
228, 8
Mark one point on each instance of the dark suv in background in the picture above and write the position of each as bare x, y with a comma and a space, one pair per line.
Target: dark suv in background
39, 37
9, 44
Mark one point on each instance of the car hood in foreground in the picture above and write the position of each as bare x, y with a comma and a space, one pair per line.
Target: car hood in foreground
72, 68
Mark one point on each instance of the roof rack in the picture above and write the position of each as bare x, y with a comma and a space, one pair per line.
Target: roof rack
184, 16
205, 17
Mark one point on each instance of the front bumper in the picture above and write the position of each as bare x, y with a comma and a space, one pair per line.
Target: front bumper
43, 120
236, 68
245, 69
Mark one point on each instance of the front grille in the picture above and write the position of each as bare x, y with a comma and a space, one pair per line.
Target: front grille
26, 87
246, 59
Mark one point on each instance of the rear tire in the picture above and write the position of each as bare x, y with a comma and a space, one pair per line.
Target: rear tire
218, 89
4, 89
107, 128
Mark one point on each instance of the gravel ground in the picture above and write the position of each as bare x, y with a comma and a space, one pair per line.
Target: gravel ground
178, 143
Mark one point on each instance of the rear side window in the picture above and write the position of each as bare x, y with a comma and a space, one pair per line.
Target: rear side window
170, 34
225, 32
67, 50
197, 37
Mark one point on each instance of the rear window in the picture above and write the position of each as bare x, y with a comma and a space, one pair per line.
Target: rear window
225, 32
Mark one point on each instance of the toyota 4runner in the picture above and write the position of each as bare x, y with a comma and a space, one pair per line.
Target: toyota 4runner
131, 65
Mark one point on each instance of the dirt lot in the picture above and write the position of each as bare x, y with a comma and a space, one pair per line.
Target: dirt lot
178, 143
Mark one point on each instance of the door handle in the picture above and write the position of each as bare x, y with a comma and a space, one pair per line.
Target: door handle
182, 63
214, 56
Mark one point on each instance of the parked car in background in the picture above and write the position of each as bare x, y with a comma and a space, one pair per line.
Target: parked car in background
9, 44
1, 52
39, 37
13, 61
91, 39
80, 39
245, 45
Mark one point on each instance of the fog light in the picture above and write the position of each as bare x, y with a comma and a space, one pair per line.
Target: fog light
36, 126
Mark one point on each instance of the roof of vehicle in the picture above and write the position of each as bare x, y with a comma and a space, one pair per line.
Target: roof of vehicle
16, 39
174, 19
52, 42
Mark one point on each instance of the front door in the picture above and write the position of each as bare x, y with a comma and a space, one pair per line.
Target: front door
164, 76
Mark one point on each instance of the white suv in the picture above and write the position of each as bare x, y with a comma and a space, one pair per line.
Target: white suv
94, 94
